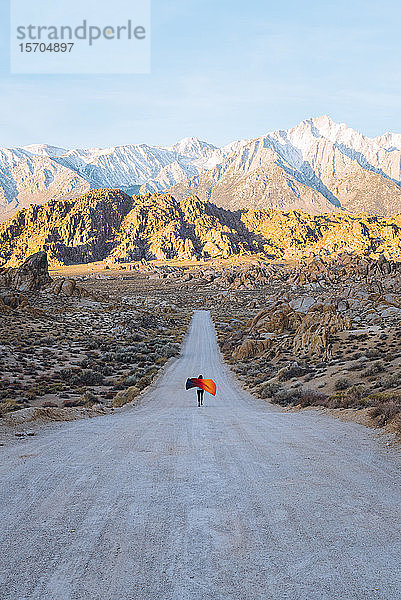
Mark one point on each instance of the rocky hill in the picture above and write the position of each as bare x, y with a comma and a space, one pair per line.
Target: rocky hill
109, 224
113, 226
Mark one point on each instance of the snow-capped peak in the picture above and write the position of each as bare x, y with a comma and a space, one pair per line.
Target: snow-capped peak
192, 147
45, 150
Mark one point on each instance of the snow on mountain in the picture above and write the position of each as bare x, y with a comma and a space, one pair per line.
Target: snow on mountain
45, 150
27, 178
38, 172
191, 147
389, 141
319, 165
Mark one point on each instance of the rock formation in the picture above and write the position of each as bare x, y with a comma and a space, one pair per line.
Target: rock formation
313, 336
251, 348
32, 275
109, 225
276, 320
9, 301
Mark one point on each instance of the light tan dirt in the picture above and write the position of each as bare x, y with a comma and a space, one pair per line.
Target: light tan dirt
236, 500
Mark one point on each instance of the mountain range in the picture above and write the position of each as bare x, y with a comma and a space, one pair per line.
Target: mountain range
38, 173
319, 166
112, 226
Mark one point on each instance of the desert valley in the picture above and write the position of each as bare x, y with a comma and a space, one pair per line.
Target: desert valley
291, 241
273, 267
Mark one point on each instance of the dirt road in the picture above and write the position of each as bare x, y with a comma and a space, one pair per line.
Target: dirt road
235, 500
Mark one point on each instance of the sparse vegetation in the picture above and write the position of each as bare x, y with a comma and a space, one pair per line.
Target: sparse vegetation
342, 384
286, 345
339, 368
65, 351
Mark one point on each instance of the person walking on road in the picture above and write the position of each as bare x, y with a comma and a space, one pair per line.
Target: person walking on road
203, 385
200, 393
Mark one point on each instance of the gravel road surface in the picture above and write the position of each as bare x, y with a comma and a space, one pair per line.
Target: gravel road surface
236, 500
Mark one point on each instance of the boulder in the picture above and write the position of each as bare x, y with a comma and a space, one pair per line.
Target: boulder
251, 348
313, 336
68, 287
302, 304
11, 301
342, 306
278, 319
32, 275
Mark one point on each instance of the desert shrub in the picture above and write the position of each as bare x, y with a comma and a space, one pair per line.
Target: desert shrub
290, 372
9, 406
342, 384
32, 393
144, 382
270, 390
86, 363
357, 366
125, 355
72, 403
358, 336
386, 408
105, 370
354, 397
136, 337
88, 377
46, 352
392, 380
356, 392
375, 368
396, 423
92, 344
385, 411
171, 349
89, 398
373, 353
125, 396
288, 397
260, 378
119, 386
253, 371
69, 373
301, 397
313, 398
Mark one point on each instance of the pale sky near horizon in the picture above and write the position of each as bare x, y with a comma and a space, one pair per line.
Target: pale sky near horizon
221, 70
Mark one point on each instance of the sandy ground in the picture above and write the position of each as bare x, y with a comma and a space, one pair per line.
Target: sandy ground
237, 500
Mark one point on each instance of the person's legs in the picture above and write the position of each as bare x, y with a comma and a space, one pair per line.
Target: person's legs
199, 396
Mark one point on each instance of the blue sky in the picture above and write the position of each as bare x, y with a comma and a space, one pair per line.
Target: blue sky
221, 70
